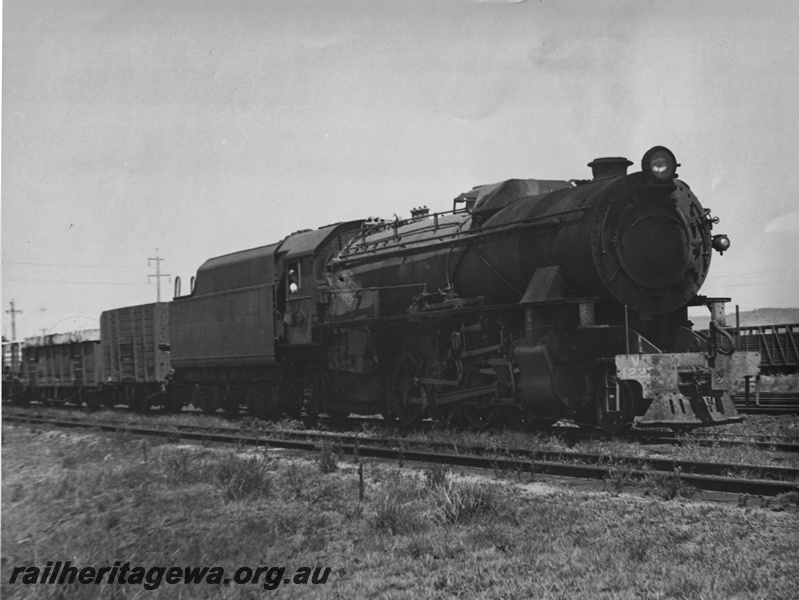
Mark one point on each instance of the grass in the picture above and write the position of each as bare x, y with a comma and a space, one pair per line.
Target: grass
327, 458
427, 534
624, 477
748, 454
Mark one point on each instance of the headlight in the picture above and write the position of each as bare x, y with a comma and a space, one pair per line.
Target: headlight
660, 164
720, 243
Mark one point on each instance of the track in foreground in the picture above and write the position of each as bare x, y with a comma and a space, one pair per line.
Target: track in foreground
568, 433
704, 476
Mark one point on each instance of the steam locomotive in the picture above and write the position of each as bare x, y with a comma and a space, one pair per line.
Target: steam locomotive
532, 300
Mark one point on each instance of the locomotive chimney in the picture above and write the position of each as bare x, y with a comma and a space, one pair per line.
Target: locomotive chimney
609, 166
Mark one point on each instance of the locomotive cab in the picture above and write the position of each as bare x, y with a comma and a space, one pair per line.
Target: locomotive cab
302, 266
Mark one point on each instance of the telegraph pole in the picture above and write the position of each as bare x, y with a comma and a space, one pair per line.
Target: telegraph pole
13, 312
158, 275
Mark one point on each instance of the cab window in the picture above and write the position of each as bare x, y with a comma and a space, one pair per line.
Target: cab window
293, 280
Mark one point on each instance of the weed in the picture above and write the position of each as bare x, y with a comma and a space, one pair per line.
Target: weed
178, 465
668, 486
501, 467
287, 424
500, 536
243, 477
297, 477
638, 550
396, 517
462, 502
789, 501
288, 521
327, 459
437, 476
420, 546
619, 477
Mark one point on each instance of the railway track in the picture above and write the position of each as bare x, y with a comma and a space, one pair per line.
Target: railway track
569, 434
768, 403
647, 437
721, 477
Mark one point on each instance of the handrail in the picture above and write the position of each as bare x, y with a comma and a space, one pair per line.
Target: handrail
555, 219
368, 228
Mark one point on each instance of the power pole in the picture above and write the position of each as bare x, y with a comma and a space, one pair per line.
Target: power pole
158, 275
13, 312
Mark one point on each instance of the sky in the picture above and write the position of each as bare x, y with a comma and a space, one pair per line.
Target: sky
203, 127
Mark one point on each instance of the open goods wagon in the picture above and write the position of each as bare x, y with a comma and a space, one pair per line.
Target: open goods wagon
135, 355
62, 367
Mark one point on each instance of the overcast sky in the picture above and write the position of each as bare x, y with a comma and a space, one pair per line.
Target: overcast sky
202, 127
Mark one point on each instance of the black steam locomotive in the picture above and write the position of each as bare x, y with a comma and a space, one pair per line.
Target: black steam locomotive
530, 300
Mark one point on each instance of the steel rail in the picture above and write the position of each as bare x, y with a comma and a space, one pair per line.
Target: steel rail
566, 433
655, 437
776, 410
768, 403
706, 476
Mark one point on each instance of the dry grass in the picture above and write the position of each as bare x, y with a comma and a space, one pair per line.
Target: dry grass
431, 534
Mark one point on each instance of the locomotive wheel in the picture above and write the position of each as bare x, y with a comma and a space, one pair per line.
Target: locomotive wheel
231, 407
206, 404
172, 402
403, 388
94, 401
445, 418
512, 418
294, 398
388, 413
256, 404
140, 400
616, 423
480, 417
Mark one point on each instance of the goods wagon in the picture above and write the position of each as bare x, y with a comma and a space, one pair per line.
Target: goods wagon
62, 367
12, 369
778, 346
135, 355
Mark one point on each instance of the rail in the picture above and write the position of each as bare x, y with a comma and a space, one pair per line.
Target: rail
706, 476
